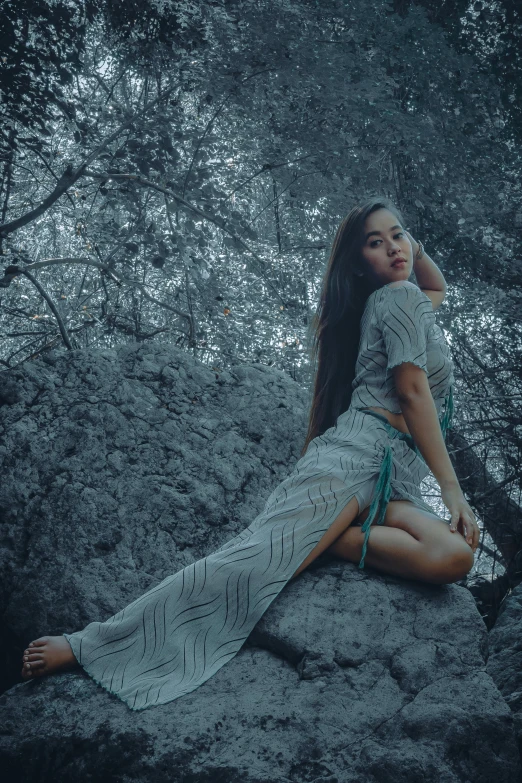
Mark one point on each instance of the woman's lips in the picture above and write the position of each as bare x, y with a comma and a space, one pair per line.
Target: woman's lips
399, 262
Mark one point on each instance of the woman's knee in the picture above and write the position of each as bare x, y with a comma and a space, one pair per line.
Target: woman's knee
450, 566
446, 556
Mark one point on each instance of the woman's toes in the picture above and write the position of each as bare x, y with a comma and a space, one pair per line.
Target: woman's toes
33, 657
36, 664
39, 642
33, 661
33, 669
46, 655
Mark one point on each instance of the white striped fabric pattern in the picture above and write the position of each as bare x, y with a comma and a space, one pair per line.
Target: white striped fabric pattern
398, 325
405, 317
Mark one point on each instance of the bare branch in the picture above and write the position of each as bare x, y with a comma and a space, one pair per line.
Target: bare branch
13, 270
211, 122
495, 506
41, 290
71, 175
271, 167
217, 221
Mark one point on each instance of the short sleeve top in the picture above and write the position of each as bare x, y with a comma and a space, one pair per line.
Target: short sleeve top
398, 325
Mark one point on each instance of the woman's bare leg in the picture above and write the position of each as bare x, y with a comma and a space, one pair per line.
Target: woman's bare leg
412, 543
345, 517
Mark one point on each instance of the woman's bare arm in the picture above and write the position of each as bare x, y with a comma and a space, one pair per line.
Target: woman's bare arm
421, 417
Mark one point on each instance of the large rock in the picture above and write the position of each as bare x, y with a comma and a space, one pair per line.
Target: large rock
505, 659
121, 467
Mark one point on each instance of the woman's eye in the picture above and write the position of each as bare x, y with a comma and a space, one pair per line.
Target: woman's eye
400, 234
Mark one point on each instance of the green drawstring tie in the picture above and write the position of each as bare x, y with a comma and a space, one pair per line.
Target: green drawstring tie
382, 490
446, 422
383, 487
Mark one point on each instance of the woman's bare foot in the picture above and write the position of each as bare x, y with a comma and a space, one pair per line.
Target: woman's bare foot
46, 655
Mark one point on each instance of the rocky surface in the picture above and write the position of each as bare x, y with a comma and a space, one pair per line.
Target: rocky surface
505, 658
121, 467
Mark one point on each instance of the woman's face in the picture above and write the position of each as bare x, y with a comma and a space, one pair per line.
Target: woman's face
384, 242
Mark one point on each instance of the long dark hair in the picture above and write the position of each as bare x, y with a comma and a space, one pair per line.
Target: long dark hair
335, 328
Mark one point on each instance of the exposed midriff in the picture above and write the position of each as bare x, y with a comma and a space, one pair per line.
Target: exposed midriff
395, 419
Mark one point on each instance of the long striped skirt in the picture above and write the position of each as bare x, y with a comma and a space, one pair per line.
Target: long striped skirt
171, 639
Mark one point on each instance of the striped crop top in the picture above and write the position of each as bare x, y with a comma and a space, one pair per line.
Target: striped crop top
398, 325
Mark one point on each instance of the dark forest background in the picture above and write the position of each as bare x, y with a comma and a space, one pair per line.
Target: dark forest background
176, 171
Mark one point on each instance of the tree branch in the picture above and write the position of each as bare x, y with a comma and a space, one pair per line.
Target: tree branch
13, 270
217, 221
71, 175
41, 290
500, 514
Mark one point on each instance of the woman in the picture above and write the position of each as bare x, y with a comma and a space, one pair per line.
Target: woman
376, 428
